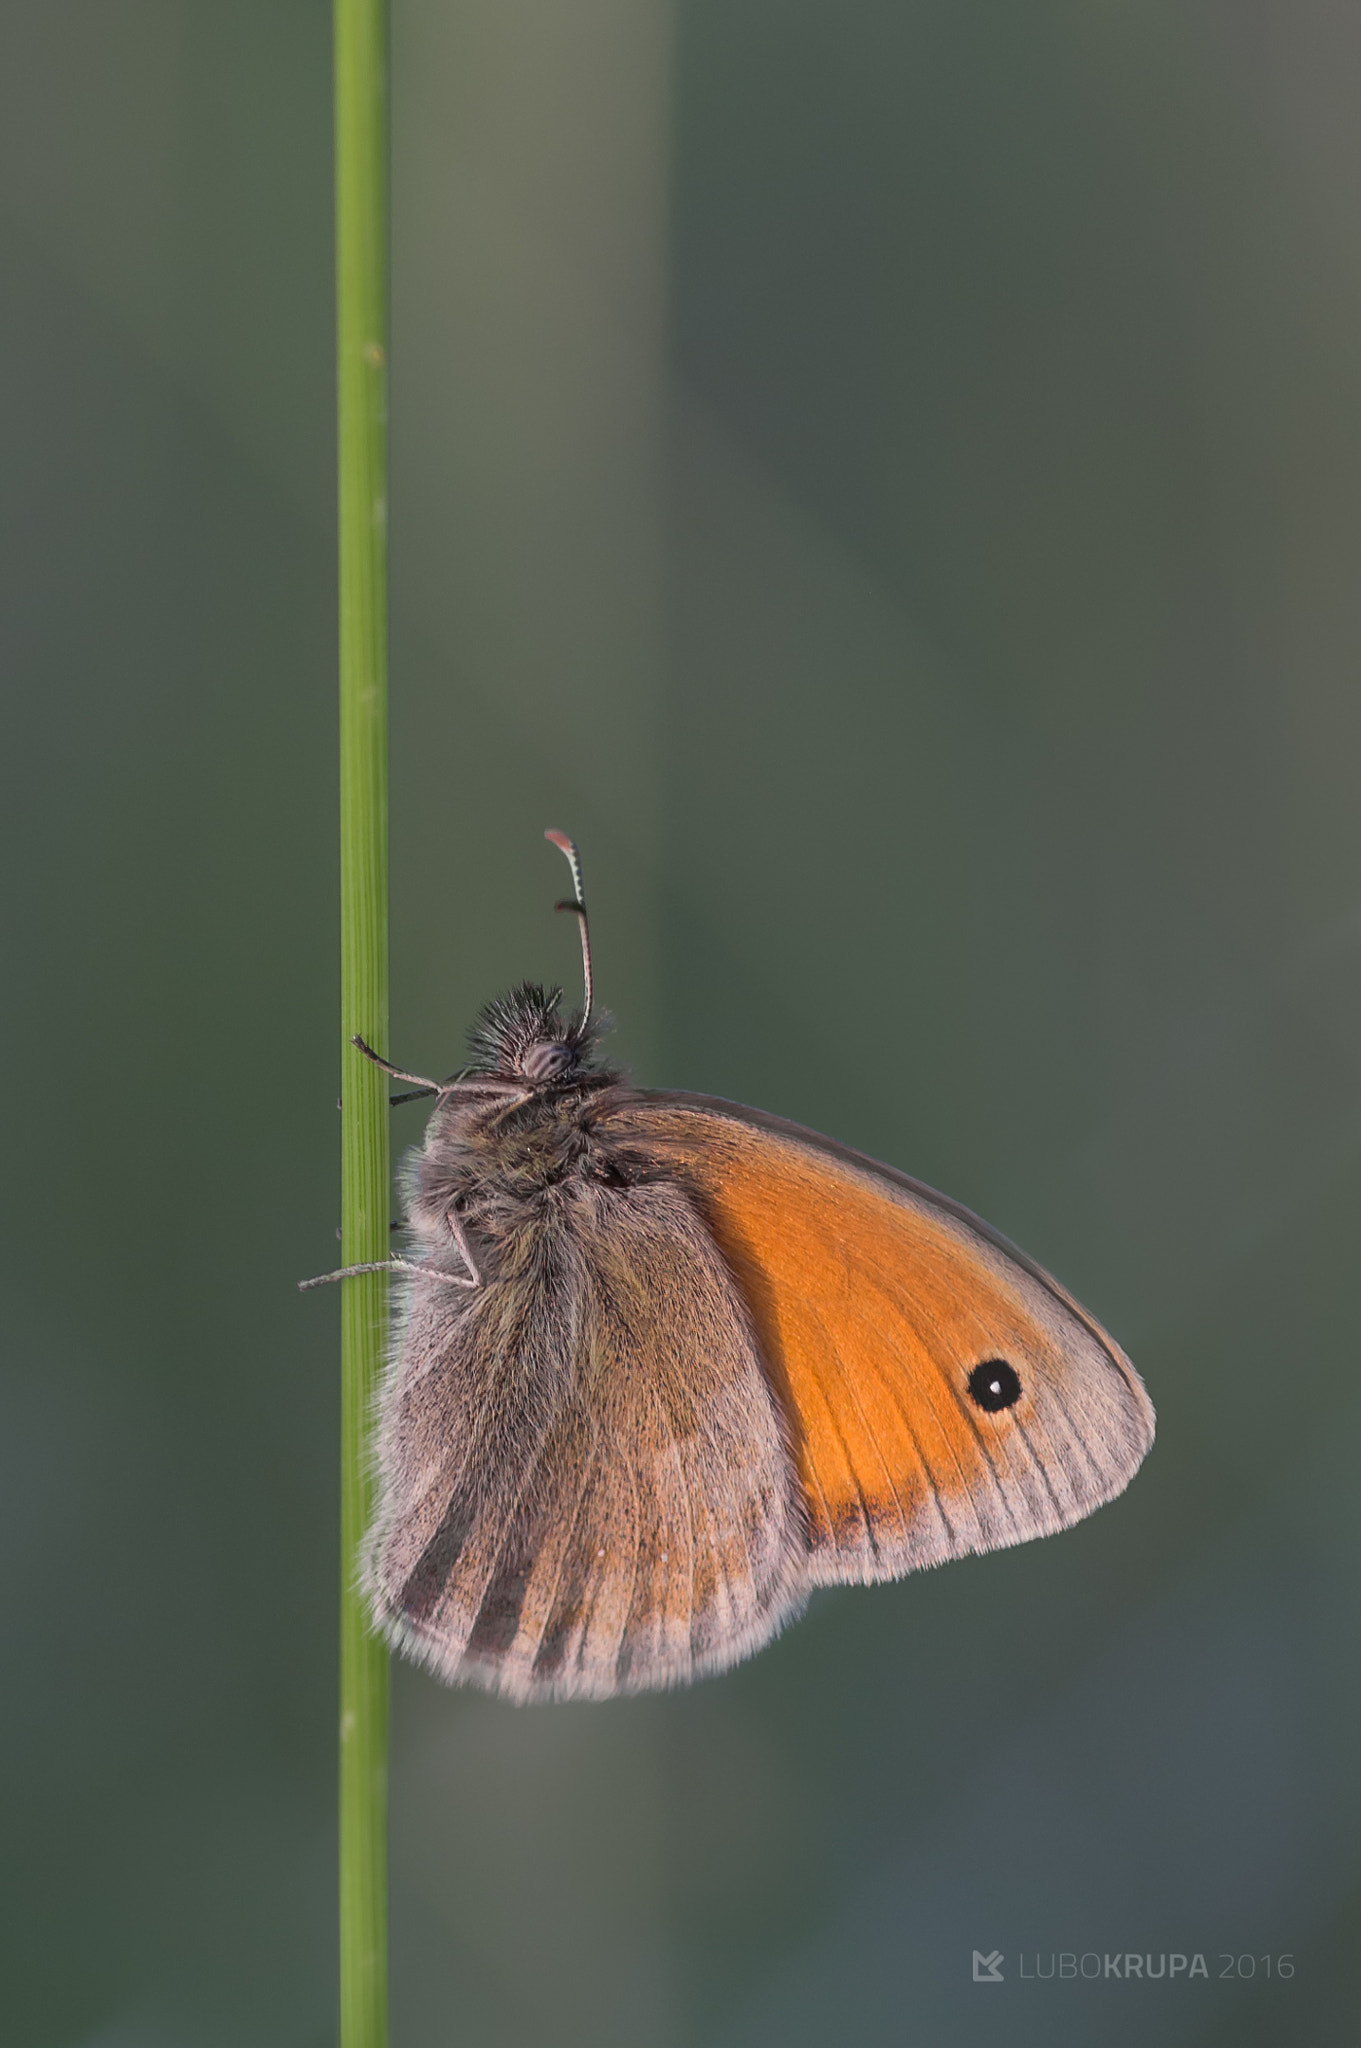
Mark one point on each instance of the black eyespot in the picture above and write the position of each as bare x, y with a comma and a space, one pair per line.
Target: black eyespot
994, 1385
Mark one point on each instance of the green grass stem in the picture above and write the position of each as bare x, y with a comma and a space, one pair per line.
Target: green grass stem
361, 173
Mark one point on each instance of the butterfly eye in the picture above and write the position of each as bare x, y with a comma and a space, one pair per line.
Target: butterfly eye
994, 1385
544, 1059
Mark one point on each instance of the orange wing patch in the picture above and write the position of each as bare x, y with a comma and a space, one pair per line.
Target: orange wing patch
873, 1301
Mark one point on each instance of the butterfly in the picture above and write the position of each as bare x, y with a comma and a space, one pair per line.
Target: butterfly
663, 1364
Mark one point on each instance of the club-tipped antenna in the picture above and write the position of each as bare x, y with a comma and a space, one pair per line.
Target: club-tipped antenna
567, 847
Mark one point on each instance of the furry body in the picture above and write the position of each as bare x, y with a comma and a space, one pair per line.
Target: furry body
588, 1485
665, 1363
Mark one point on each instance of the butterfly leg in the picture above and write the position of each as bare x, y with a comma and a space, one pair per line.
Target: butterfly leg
514, 1098
423, 1086
392, 1266
456, 1231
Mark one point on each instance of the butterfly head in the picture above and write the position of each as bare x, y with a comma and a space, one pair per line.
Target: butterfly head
525, 1037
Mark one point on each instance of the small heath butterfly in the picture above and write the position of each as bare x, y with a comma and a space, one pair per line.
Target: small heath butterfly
663, 1364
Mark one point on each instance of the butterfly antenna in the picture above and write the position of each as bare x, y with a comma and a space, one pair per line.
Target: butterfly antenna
567, 847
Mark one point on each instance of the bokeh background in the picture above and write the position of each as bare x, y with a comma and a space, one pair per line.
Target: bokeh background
884, 474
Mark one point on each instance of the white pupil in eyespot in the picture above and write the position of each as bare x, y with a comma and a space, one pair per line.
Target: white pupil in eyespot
994, 1385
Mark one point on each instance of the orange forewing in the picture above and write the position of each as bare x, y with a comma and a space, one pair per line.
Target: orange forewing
873, 1299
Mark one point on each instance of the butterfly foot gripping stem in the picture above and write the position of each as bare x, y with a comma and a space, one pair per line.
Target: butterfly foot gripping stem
393, 1266
423, 1086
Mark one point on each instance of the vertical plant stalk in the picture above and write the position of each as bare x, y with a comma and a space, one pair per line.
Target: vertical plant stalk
361, 173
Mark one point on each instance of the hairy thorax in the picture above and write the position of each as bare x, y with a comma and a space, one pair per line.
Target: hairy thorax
504, 1171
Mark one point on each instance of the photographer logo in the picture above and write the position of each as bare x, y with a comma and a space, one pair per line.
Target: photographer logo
1068, 1966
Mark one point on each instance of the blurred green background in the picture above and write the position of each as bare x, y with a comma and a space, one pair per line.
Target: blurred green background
884, 474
